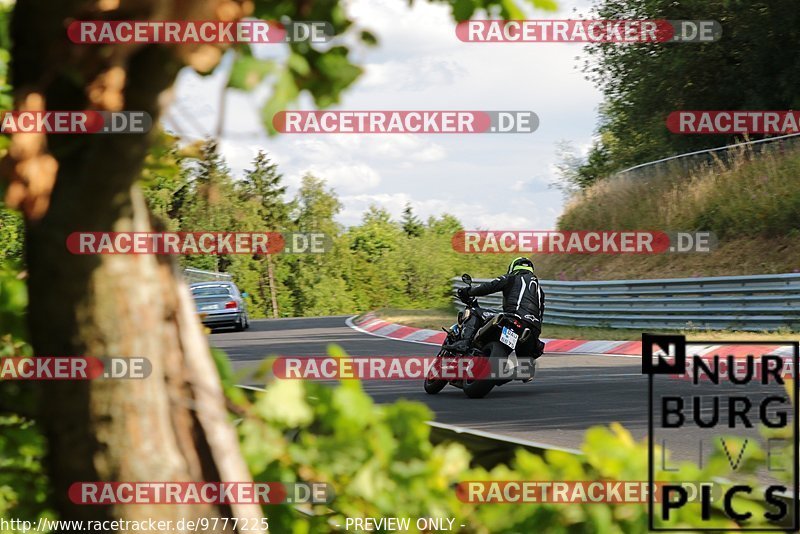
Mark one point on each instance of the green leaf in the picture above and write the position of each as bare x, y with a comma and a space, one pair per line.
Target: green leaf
247, 72
337, 72
512, 10
284, 402
548, 5
285, 91
299, 64
369, 38
463, 9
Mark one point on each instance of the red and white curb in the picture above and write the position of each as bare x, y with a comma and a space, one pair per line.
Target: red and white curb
370, 324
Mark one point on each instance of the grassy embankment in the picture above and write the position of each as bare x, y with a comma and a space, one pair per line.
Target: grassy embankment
751, 204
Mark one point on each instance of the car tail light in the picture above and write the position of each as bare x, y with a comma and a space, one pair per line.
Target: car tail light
231, 305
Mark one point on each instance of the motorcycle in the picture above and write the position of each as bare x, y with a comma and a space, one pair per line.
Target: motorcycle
496, 335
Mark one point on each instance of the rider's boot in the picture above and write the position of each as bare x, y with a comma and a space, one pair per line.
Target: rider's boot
539, 351
530, 378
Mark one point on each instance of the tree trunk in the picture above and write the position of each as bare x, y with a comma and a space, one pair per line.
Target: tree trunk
171, 426
272, 290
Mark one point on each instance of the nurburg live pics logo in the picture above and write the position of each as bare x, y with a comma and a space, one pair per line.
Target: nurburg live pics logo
728, 411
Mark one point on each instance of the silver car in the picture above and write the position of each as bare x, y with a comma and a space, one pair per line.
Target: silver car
220, 304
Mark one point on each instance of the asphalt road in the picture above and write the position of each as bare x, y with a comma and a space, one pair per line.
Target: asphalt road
570, 393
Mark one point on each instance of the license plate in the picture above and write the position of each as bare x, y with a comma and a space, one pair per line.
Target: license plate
210, 307
508, 337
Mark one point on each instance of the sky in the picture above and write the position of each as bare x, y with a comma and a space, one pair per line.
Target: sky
488, 181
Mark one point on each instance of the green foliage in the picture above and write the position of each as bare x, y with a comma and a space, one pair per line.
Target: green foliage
507, 9
11, 226
5, 45
13, 303
24, 488
411, 225
753, 66
247, 71
262, 186
11, 237
379, 462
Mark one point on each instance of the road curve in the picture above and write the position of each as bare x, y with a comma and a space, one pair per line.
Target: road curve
570, 393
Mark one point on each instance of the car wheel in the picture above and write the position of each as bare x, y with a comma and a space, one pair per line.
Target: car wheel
238, 326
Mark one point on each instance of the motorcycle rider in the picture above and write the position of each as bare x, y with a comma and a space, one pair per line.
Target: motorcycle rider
522, 295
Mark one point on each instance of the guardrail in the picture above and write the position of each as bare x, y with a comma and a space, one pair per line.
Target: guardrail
692, 161
198, 275
753, 303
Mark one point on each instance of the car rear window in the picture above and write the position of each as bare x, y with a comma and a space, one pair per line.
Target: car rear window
211, 291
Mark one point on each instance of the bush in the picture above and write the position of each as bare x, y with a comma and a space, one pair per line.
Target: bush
24, 489
380, 463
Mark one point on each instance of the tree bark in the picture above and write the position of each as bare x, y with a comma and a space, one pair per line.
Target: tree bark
173, 425
272, 290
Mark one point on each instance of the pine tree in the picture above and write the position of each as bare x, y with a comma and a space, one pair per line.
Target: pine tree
262, 186
411, 225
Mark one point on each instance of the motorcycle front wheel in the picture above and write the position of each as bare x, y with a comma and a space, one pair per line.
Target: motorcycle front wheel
434, 385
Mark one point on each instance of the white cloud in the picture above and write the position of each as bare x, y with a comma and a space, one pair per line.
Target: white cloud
524, 184
346, 177
325, 148
406, 147
415, 74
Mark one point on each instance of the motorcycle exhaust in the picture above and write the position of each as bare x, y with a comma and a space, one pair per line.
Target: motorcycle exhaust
525, 335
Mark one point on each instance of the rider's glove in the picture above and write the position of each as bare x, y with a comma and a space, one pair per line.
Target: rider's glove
463, 294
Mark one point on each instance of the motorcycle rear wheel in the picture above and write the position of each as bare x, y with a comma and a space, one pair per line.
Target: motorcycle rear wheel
477, 389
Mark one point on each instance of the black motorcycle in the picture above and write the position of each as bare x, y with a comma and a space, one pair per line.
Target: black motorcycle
488, 338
